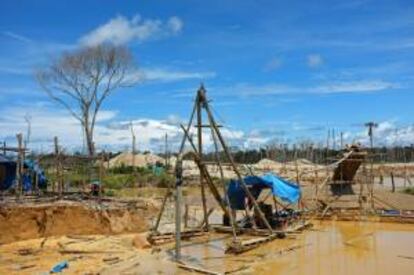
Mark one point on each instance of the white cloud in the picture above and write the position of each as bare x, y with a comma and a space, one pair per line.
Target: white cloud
114, 134
388, 133
354, 87
110, 132
175, 24
16, 36
314, 60
166, 75
334, 87
121, 30
156, 74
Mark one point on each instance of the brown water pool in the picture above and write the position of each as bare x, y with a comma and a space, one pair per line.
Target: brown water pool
329, 248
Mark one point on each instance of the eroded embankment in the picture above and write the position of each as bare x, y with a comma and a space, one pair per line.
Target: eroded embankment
27, 221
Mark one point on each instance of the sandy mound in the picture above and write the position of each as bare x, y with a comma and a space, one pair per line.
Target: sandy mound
20, 222
141, 160
268, 164
305, 162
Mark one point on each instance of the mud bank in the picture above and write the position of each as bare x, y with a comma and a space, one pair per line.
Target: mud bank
29, 221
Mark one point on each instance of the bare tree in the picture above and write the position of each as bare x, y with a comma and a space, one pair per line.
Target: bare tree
81, 80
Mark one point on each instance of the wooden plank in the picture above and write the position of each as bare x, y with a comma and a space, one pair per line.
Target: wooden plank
239, 247
169, 237
196, 269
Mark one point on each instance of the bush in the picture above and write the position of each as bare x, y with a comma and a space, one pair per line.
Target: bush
409, 190
118, 181
165, 180
110, 193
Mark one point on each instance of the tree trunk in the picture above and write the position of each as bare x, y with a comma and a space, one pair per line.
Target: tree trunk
89, 140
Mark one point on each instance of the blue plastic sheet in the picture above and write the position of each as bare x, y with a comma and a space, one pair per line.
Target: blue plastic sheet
281, 188
59, 267
8, 170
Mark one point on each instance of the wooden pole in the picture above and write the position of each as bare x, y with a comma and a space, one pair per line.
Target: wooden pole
164, 201
101, 174
202, 167
36, 180
187, 129
178, 198
200, 100
178, 171
226, 196
185, 215
392, 182
133, 145
230, 158
57, 163
20, 164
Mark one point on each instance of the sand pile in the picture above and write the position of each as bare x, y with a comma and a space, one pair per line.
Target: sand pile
268, 164
139, 160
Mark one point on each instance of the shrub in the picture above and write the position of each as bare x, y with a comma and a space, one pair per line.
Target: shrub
409, 190
110, 193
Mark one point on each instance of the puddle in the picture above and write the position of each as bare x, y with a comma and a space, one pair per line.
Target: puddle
329, 248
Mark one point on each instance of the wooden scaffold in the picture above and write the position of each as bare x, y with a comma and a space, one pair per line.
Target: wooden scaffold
202, 106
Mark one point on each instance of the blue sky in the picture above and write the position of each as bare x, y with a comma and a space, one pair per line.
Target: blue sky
276, 70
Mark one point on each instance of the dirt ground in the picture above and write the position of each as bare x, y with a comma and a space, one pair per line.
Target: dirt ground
28, 220
87, 254
328, 248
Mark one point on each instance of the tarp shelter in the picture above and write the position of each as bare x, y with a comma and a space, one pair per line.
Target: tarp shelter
7, 172
34, 169
281, 188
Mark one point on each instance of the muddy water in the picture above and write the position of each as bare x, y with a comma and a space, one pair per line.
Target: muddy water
329, 248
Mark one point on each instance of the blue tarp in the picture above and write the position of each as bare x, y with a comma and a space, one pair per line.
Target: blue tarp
7, 172
285, 190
